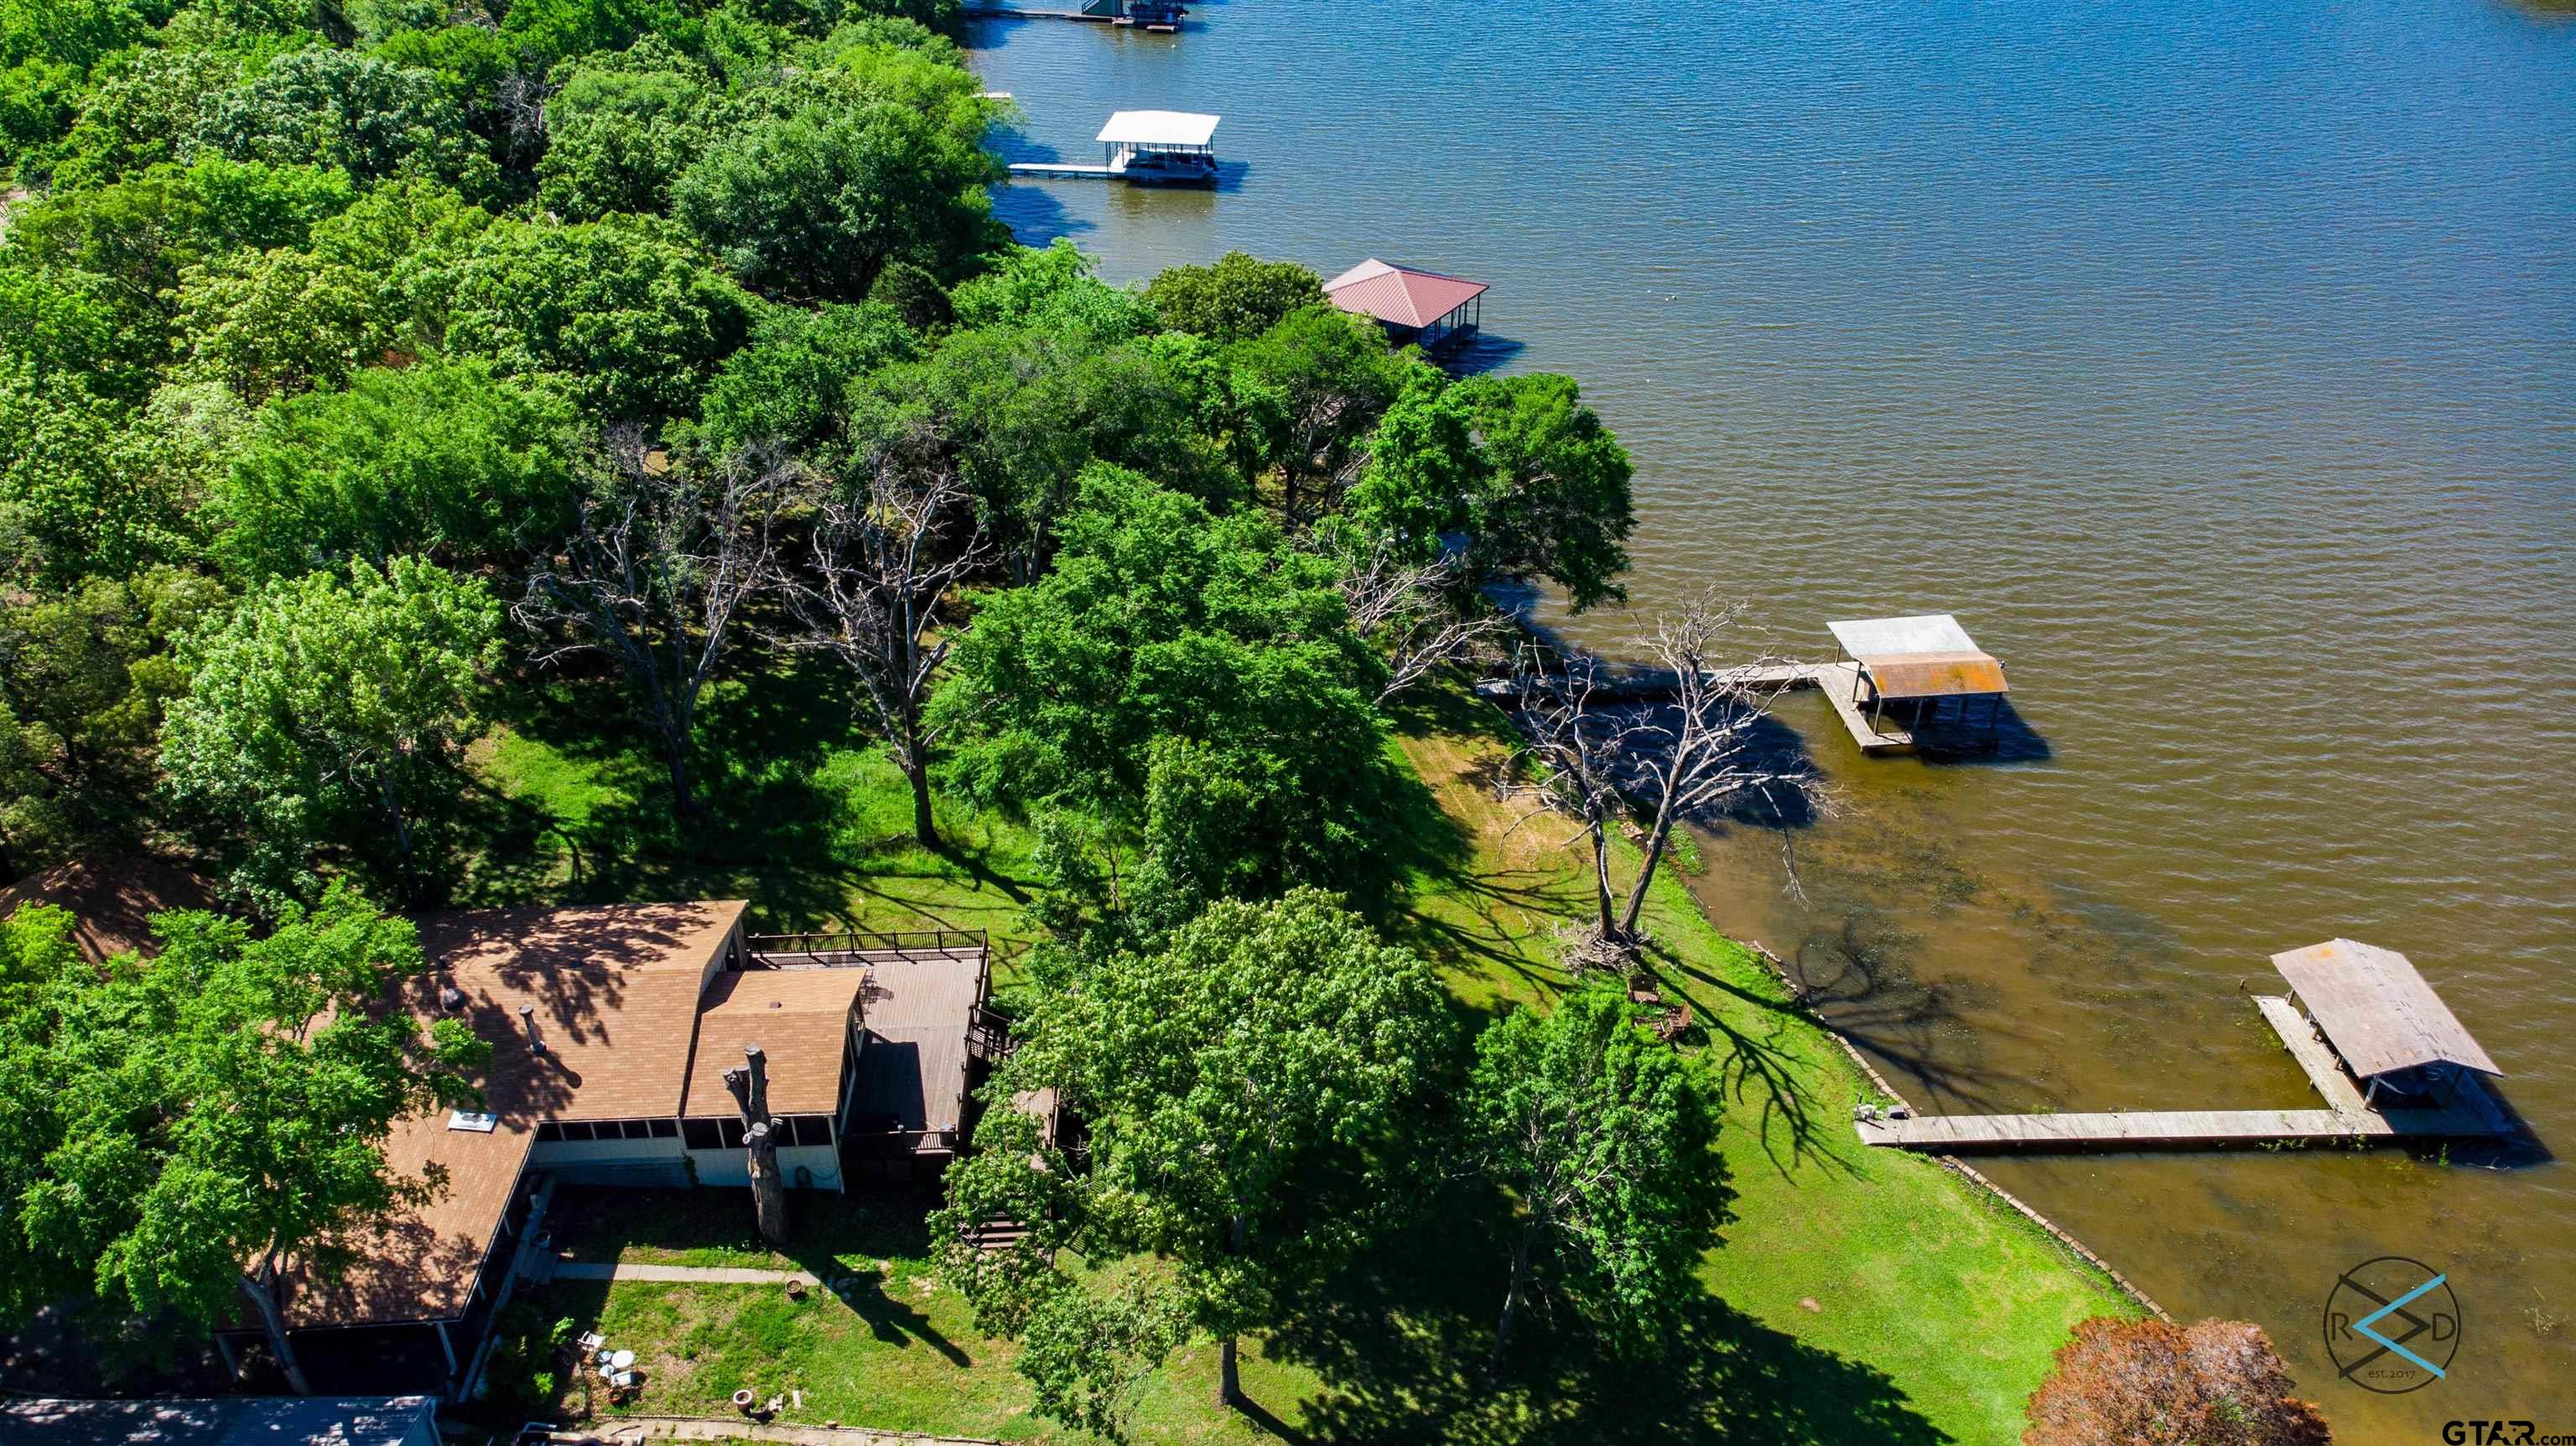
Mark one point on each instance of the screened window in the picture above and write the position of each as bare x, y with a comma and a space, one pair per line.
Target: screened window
810, 1129
701, 1135
663, 1129
576, 1130
732, 1130
549, 1131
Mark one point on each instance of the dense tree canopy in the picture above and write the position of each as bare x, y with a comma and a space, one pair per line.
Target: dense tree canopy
873, 162
331, 708
624, 310
181, 1127
1606, 1139
688, 328
1190, 682
1249, 1084
442, 459
84, 676
1237, 299
620, 127
350, 111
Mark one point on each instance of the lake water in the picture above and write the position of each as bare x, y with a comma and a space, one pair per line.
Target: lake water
2215, 363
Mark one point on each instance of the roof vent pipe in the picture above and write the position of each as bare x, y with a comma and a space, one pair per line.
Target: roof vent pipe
528, 1019
450, 998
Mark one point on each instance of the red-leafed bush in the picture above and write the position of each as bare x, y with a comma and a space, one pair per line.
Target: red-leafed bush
2150, 1383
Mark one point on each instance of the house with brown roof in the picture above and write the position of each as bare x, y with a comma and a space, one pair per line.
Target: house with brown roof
612, 1028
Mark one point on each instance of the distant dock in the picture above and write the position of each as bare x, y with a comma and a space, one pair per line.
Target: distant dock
1162, 17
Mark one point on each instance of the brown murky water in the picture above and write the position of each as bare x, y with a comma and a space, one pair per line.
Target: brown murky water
2211, 362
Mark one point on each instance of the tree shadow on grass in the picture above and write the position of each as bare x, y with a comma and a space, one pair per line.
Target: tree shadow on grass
1403, 1340
838, 1240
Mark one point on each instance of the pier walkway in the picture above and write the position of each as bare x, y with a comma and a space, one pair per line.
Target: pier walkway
1839, 682
2348, 1118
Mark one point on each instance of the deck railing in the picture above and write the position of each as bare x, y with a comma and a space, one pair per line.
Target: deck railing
850, 944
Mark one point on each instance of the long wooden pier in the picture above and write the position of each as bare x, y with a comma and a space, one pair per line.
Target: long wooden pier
1055, 171
2348, 1117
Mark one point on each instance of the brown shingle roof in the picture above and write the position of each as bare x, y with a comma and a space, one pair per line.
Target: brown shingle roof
112, 901
800, 1018
597, 978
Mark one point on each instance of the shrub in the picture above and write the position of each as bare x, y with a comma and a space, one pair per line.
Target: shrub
2152, 1383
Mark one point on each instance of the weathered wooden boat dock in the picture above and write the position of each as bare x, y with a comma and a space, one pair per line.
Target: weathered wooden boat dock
2398, 1034
1839, 682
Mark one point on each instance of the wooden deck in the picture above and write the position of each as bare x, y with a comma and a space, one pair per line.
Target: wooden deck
1840, 683
2346, 1118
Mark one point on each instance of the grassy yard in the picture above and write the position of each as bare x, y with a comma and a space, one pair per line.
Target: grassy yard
1861, 1296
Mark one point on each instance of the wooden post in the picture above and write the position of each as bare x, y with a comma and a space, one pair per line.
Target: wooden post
750, 1087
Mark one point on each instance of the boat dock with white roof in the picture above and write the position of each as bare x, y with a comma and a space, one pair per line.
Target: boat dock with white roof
1144, 148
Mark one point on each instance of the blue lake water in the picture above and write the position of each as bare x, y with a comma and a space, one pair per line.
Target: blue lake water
2216, 364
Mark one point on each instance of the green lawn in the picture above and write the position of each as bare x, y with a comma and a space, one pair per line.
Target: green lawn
1860, 1296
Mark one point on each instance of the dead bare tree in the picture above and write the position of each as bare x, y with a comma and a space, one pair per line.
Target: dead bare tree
1409, 611
880, 564
748, 1082
662, 558
1684, 756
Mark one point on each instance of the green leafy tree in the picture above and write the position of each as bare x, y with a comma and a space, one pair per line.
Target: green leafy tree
47, 48
1054, 289
74, 501
789, 384
1237, 299
1303, 396
1249, 1085
141, 109
84, 677
547, 32
620, 128
1606, 1140
187, 1129
332, 708
398, 225
58, 326
1423, 467
127, 245
1555, 503
274, 323
1192, 684
441, 459
625, 309
1024, 410
352, 111
478, 73
814, 201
